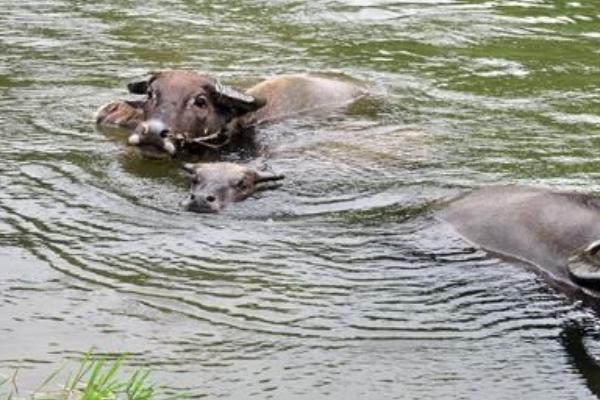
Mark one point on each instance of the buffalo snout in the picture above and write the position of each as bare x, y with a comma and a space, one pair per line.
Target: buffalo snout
153, 133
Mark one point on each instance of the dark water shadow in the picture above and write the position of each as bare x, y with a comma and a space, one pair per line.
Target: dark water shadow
150, 163
572, 339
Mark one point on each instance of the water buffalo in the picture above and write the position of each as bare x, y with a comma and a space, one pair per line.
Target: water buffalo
215, 185
186, 108
557, 232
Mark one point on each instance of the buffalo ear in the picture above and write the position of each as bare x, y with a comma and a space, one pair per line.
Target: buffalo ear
138, 87
232, 98
141, 87
584, 264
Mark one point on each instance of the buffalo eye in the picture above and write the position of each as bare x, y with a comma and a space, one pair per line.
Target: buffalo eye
200, 101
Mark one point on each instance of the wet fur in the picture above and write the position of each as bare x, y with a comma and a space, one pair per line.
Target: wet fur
289, 95
540, 227
285, 96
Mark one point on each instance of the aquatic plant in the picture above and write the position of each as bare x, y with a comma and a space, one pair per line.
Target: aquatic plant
96, 378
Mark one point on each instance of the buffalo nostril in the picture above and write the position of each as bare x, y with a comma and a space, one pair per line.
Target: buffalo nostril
210, 199
156, 127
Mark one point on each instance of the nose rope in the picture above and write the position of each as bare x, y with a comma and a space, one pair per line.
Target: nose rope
182, 139
204, 140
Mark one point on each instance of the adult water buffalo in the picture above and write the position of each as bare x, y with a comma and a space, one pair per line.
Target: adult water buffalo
186, 108
557, 232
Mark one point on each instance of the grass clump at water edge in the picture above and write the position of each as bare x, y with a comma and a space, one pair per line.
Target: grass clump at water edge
96, 378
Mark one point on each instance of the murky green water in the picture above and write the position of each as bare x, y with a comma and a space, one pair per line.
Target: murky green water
336, 286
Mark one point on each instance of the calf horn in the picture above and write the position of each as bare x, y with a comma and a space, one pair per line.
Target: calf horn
268, 177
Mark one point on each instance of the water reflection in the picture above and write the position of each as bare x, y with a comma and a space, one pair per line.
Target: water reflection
572, 338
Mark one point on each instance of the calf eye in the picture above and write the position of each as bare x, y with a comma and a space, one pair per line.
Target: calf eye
200, 101
242, 185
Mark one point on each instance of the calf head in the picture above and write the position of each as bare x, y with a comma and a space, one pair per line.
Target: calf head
183, 106
215, 185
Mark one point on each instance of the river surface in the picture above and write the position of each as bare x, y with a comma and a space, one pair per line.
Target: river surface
339, 285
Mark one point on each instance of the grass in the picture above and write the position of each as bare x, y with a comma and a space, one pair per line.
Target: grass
96, 378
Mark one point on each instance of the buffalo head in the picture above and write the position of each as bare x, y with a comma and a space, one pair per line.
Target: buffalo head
187, 106
215, 185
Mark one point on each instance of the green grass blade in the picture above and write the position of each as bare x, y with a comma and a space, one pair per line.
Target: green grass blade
49, 379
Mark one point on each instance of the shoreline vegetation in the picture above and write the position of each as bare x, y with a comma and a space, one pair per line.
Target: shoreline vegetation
95, 378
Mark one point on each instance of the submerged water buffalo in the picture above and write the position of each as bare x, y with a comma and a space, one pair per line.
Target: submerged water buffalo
215, 185
557, 232
187, 109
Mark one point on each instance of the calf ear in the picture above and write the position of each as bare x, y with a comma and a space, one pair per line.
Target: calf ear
240, 102
267, 177
189, 169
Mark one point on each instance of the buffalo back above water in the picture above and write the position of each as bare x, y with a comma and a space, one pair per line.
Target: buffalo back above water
186, 108
557, 232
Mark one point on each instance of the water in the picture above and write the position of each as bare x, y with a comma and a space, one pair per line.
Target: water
338, 285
